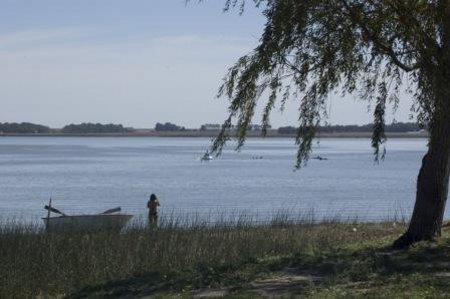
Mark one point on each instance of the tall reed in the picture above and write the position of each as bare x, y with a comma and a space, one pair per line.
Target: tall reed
35, 263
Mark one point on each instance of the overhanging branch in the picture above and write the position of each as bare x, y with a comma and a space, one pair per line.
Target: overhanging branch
377, 41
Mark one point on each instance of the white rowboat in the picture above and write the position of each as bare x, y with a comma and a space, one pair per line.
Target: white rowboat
86, 222
107, 220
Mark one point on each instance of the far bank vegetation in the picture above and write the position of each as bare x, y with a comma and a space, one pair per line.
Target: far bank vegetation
98, 128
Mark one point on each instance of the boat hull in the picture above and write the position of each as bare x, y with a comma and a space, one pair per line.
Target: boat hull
86, 222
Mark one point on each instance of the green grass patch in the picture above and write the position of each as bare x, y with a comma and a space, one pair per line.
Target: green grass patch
324, 260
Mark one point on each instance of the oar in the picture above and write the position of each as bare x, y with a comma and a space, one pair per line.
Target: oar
54, 210
110, 211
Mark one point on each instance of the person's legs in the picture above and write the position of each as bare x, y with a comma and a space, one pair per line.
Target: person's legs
153, 219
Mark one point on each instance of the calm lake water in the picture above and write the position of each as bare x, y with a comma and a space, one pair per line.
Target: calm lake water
89, 175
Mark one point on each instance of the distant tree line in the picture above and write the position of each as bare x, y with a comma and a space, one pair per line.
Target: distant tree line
395, 127
30, 128
94, 128
210, 127
23, 128
168, 127
216, 127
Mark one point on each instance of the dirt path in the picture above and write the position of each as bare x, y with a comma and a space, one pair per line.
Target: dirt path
281, 283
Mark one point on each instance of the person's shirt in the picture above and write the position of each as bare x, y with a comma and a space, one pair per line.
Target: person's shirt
153, 205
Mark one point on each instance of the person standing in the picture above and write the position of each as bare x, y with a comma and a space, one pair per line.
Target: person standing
152, 205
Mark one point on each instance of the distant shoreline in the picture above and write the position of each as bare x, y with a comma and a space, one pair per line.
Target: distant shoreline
211, 134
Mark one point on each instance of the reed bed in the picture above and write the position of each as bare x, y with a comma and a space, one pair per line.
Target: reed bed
34, 263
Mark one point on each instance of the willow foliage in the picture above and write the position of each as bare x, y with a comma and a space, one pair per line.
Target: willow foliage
310, 48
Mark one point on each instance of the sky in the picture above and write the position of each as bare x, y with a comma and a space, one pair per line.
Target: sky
135, 62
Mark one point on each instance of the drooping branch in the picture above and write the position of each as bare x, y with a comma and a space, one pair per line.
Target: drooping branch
377, 41
421, 36
323, 46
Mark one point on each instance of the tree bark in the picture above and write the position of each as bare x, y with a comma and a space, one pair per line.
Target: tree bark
432, 182
433, 179
431, 197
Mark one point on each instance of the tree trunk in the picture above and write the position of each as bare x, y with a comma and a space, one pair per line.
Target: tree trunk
433, 179
431, 197
432, 186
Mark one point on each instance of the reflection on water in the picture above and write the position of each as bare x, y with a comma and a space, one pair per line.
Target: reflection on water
89, 175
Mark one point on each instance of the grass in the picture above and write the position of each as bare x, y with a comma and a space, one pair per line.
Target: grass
238, 259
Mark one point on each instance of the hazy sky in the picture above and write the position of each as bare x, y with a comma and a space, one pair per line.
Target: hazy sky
133, 62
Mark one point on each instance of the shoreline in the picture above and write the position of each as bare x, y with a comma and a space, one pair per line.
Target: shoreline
265, 261
212, 134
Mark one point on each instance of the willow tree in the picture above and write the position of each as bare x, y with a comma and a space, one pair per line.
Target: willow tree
373, 49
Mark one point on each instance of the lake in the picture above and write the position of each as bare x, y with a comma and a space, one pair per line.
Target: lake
90, 174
